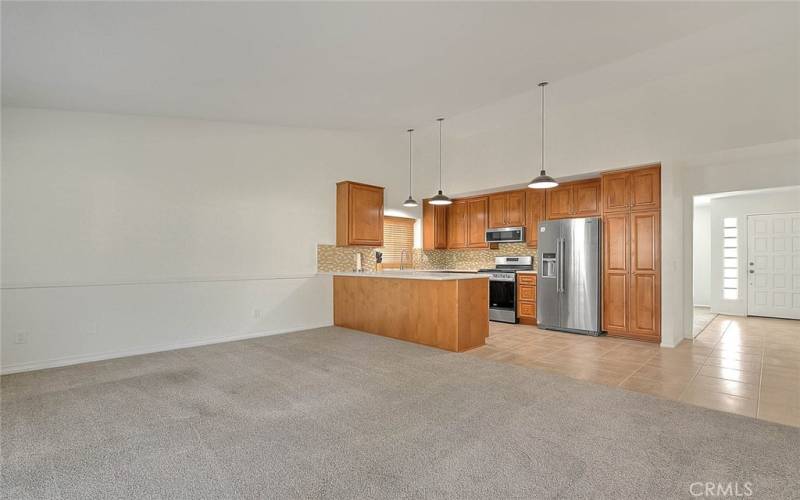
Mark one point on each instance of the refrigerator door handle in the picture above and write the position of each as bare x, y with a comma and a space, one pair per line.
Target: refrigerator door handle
558, 265
562, 248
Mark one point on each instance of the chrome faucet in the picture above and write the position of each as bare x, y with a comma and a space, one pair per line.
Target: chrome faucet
403, 253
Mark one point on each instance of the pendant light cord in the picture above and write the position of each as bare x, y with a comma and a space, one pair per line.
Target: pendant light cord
440, 152
543, 85
409, 161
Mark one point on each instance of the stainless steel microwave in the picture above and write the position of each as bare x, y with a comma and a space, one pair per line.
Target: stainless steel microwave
505, 235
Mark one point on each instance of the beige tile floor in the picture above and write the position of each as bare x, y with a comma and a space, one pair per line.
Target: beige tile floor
749, 366
702, 317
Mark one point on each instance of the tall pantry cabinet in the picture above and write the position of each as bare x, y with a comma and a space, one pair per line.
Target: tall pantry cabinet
631, 204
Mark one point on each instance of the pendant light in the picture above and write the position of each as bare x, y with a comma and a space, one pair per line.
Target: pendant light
410, 202
439, 198
544, 181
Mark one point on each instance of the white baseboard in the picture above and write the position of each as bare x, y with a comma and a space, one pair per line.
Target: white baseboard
671, 345
88, 358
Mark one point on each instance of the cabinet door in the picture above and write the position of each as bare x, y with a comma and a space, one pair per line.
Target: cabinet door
434, 226
366, 215
526, 310
440, 228
586, 199
616, 272
498, 207
559, 202
477, 209
457, 225
515, 209
645, 309
534, 213
646, 189
616, 191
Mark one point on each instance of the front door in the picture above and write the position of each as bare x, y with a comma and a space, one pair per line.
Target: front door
773, 265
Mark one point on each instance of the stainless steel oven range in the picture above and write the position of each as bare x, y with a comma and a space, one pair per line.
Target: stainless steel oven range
503, 286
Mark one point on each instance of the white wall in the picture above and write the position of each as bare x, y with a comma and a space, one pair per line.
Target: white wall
127, 234
701, 276
740, 206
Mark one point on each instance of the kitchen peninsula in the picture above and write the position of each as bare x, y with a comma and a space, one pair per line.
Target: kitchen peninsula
444, 310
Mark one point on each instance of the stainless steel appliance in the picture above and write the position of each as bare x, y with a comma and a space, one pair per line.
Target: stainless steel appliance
505, 235
568, 282
503, 286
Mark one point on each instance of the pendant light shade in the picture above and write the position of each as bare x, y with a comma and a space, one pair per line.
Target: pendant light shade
543, 181
440, 198
410, 202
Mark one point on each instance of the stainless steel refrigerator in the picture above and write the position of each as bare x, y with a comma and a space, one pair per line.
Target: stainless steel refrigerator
568, 282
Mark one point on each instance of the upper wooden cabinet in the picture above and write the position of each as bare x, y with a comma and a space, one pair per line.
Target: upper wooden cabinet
457, 224
507, 209
467, 222
534, 213
587, 198
434, 226
477, 209
646, 189
359, 214
636, 189
574, 199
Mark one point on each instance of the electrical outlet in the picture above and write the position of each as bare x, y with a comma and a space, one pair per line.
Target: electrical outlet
21, 338
258, 313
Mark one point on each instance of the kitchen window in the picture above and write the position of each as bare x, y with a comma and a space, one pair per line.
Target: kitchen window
730, 259
398, 235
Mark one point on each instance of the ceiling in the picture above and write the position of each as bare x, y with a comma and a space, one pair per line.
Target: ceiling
359, 66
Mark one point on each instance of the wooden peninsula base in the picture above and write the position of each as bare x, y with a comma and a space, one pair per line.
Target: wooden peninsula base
451, 314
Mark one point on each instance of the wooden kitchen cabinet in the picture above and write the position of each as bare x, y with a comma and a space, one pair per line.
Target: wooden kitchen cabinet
636, 189
616, 188
586, 198
466, 223
359, 214
507, 209
559, 202
526, 298
477, 209
574, 199
616, 272
646, 188
534, 213
645, 297
632, 253
457, 224
434, 226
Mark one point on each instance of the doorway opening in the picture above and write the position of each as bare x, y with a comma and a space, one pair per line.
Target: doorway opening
746, 255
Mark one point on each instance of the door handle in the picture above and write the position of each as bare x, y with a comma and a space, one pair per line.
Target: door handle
561, 247
558, 265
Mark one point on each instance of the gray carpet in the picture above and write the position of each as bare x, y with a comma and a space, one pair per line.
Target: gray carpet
332, 413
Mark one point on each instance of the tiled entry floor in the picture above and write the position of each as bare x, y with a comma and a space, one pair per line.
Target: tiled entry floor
749, 366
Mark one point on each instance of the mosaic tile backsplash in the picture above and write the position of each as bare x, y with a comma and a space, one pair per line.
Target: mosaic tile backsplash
331, 258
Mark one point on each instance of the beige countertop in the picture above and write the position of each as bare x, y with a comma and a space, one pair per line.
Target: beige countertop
526, 272
415, 275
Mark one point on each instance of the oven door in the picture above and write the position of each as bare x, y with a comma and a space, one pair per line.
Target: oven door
502, 301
